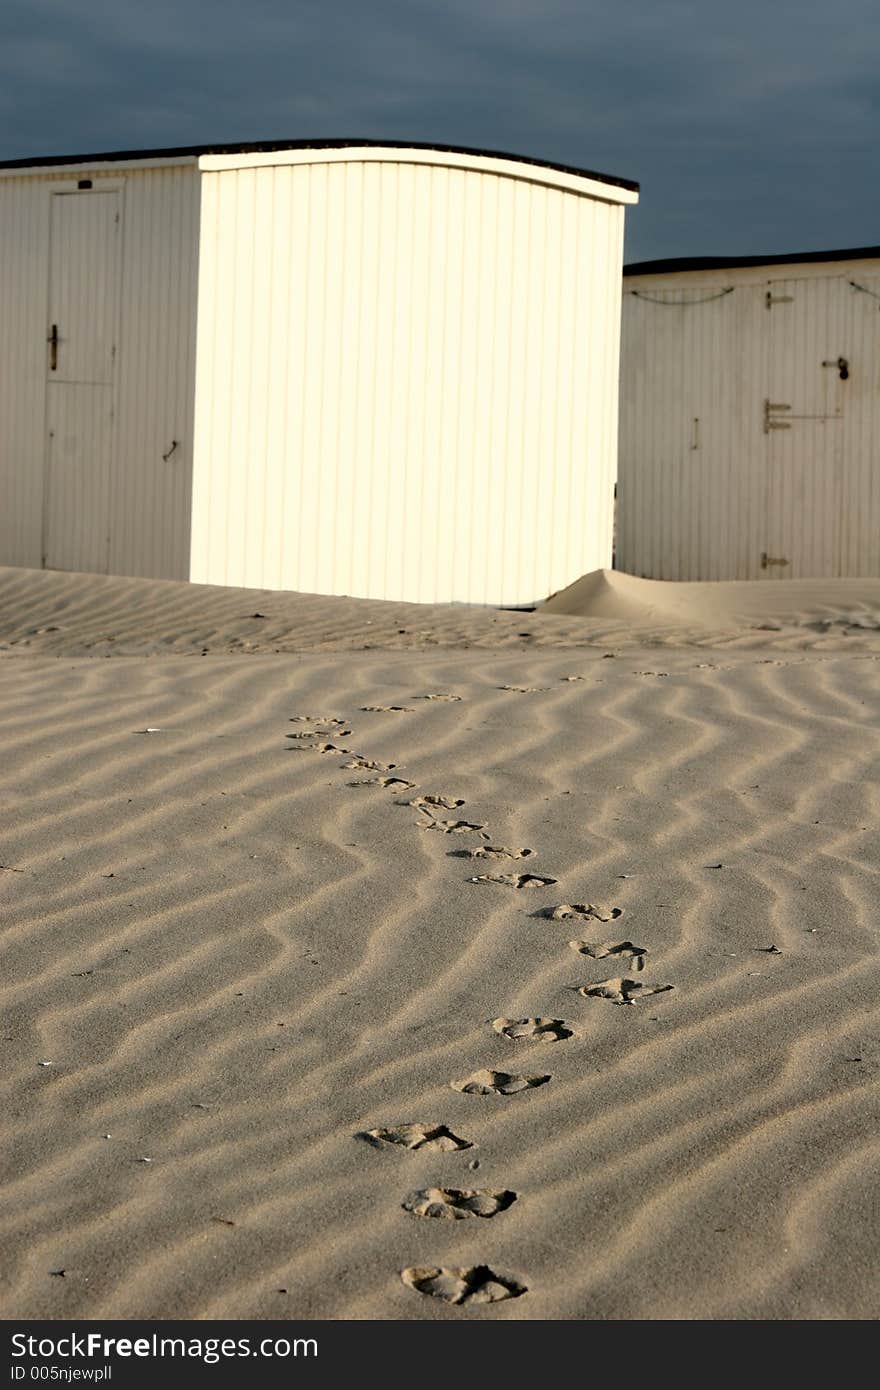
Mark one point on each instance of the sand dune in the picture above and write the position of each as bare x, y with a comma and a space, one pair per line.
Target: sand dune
227, 957
88, 614
762, 605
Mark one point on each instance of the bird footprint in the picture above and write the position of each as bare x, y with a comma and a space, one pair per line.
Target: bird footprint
598, 950
316, 719
601, 914
438, 1137
496, 852
621, 991
398, 783
547, 1029
368, 764
387, 709
452, 827
454, 1204
478, 1284
312, 733
515, 880
497, 1083
427, 802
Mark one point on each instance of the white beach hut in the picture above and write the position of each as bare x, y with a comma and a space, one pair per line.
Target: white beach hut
750, 417
382, 370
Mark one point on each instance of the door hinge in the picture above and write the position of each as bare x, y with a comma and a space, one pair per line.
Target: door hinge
770, 299
771, 410
768, 560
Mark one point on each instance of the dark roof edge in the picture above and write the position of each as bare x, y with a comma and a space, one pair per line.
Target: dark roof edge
853, 253
261, 146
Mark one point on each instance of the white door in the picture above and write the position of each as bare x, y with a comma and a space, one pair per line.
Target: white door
80, 366
805, 377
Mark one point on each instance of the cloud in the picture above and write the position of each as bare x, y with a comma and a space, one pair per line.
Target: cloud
728, 117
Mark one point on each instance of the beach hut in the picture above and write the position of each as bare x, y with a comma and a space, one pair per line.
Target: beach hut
382, 370
750, 417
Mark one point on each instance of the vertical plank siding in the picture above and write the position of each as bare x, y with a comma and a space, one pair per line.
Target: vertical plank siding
24, 271
150, 528
406, 382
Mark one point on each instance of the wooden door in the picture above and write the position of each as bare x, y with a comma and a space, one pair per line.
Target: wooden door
806, 373
80, 370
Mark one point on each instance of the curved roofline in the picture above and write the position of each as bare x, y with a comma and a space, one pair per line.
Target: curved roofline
267, 146
853, 253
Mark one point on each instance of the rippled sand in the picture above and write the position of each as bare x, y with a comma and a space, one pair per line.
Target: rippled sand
236, 963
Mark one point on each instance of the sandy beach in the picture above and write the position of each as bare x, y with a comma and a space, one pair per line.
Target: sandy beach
232, 948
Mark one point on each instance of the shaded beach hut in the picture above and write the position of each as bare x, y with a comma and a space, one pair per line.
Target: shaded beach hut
750, 417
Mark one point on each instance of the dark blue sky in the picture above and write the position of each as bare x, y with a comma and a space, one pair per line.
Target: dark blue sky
751, 128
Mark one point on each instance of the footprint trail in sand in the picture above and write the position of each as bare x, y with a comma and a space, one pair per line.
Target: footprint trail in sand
478, 1284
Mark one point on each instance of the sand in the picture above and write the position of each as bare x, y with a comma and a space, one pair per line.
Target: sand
228, 955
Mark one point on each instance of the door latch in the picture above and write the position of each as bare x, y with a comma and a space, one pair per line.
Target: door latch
768, 560
52, 340
842, 366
